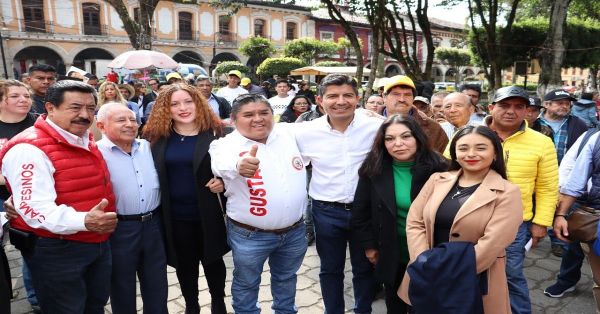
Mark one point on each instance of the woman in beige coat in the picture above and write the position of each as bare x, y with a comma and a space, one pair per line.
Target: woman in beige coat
473, 203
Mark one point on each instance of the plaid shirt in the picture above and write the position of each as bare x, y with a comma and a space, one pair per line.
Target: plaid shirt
560, 137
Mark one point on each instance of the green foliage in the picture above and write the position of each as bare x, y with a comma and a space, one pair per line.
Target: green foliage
279, 66
329, 63
454, 56
226, 66
257, 48
307, 49
583, 41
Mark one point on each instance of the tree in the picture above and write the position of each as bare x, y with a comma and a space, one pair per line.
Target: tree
335, 13
140, 34
226, 66
456, 58
329, 64
308, 49
279, 66
489, 39
257, 49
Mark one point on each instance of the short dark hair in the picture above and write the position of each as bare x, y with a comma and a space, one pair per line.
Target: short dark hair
245, 99
498, 164
424, 156
56, 92
337, 80
474, 87
41, 68
282, 81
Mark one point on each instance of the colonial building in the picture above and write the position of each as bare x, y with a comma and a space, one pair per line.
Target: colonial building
89, 33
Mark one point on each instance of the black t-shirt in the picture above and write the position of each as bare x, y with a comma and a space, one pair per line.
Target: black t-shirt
448, 210
8, 131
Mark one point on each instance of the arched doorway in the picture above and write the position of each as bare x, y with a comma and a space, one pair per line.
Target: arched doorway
467, 73
437, 75
451, 75
223, 56
93, 60
189, 57
29, 56
392, 69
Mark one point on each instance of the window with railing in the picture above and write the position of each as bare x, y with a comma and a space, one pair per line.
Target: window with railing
185, 26
224, 24
291, 31
33, 16
259, 28
91, 19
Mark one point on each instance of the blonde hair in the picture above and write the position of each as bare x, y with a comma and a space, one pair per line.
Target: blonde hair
160, 123
102, 98
6, 84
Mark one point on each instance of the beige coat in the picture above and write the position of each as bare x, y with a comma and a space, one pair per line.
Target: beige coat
490, 218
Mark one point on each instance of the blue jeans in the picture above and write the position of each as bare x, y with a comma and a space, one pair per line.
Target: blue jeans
138, 248
332, 228
571, 262
70, 277
517, 283
250, 250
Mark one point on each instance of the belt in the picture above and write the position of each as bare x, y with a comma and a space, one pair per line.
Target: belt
275, 231
346, 206
139, 217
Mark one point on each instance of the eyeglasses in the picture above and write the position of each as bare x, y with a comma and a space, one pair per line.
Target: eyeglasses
301, 104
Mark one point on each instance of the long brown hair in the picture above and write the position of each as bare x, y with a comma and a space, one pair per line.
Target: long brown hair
160, 123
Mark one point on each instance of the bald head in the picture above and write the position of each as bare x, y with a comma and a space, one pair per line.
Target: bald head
108, 108
458, 109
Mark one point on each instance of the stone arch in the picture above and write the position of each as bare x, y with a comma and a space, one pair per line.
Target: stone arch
79, 60
392, 69
35, 54
223, 56
187, 56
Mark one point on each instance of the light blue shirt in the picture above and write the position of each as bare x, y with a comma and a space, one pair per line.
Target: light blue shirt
576, 184
133, 177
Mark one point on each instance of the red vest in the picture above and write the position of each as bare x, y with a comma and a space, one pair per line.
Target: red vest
81, 177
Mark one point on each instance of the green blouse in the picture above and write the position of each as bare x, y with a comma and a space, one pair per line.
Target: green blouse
402, 186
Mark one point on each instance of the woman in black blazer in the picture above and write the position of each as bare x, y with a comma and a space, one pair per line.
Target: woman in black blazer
181, 128
391, 176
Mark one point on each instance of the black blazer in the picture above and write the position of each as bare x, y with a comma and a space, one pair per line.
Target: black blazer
374, 215
211, 215
224, 107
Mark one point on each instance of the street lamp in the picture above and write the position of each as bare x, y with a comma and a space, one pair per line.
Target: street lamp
3, 56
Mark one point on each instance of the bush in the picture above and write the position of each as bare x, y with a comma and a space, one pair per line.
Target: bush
329, 63
226, 66
279, 66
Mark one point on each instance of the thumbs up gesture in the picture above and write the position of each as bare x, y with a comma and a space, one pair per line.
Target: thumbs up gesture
248, 163
99, 221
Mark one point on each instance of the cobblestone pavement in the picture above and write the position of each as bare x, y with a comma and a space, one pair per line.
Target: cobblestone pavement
541, 269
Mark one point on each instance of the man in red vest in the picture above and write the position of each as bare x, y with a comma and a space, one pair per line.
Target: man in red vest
62, 192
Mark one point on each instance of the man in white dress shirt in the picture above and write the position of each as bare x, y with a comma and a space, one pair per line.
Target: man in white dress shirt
265, 182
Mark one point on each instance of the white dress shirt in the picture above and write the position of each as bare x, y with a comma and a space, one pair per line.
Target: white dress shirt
335, 156
58, 219
276, 197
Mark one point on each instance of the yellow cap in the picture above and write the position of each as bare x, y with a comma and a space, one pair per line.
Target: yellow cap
245, 81
174, 75
236, 73
398, 80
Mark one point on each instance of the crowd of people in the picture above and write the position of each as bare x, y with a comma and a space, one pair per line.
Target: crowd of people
434, 197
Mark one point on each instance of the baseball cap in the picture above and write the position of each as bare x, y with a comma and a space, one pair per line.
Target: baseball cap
398, 80
421, 99
510, 92
174, 75
236, 73
245, 81
535, 102
558, 94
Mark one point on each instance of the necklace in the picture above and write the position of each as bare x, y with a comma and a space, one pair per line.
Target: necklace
183, 136
460, 192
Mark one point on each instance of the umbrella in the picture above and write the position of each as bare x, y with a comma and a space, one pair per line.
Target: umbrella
143, 59
185, 69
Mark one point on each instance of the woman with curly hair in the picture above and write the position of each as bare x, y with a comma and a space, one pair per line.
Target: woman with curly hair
180, 129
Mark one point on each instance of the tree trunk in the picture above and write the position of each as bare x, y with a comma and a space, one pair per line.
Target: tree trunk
592, 79
375, 46
553, 52
140, 35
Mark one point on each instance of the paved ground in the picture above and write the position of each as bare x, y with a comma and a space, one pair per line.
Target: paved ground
541, 269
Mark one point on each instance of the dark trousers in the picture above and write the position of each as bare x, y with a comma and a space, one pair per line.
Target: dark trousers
394, 304
70, 277
138, 248
5, 284
332, 228
189, 244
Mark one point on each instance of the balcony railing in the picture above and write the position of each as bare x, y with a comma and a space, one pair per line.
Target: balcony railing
99, 30
193, 36
226, 37
36, 26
